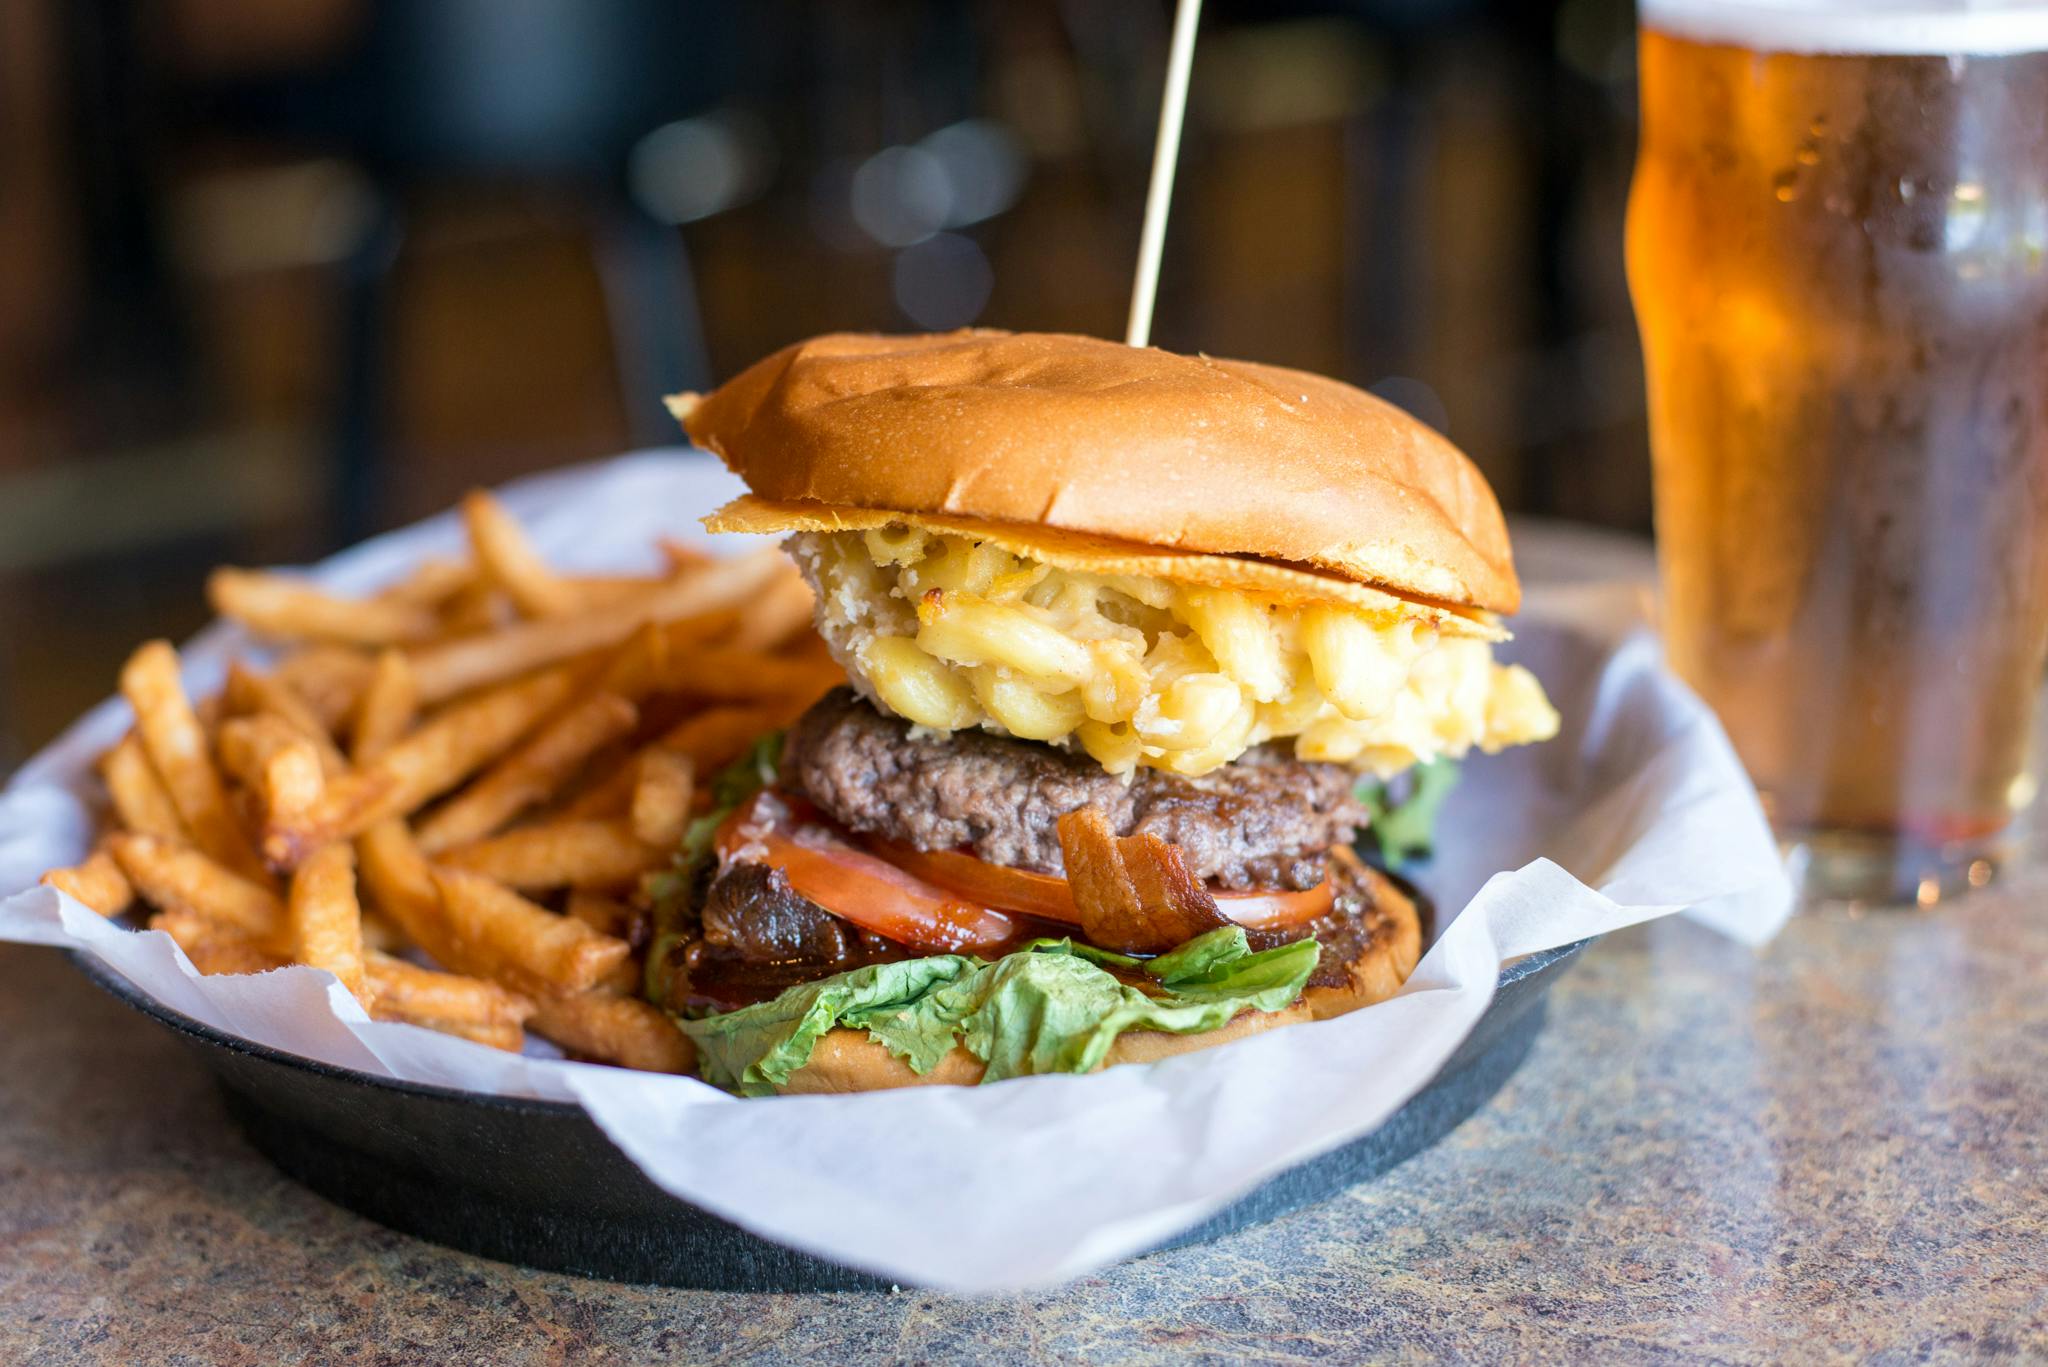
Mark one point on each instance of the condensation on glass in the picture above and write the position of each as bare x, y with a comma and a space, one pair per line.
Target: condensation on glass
1838, 251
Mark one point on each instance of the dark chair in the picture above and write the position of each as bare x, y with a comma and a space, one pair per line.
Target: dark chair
548, 93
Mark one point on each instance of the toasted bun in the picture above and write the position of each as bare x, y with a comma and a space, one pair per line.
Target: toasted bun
851, 1061
1135, 444
1088, 554
1388, 958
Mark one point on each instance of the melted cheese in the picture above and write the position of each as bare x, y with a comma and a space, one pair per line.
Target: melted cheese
954, 633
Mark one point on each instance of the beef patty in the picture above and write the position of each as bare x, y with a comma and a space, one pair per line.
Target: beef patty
1263, 822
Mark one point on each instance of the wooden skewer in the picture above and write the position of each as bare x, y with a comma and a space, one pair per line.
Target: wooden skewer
1173, 104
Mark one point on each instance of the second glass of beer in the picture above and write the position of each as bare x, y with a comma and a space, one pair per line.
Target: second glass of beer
1838, 251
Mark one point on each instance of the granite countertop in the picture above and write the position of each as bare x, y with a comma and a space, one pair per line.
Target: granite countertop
1833, 1148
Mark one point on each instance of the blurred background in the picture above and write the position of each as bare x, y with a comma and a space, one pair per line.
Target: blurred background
275, 274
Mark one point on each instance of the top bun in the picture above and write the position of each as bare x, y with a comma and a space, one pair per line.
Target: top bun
1186, 452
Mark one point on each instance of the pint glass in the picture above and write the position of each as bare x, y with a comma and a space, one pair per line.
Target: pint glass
1838, 252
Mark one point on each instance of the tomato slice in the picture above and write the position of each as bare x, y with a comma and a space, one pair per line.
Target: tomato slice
850, 883
1051, 898
1278, 910
1035, 894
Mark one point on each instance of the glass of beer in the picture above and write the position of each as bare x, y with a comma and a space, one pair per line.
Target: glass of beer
1838, 252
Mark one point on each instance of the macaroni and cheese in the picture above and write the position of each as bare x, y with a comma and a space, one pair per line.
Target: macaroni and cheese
952, 632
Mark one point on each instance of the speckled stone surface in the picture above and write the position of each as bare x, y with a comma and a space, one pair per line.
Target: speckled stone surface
1836, 1148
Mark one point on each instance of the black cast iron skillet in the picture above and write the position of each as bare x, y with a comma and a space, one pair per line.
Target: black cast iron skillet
537, 1183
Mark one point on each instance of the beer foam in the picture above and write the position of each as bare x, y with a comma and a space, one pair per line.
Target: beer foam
1900, 28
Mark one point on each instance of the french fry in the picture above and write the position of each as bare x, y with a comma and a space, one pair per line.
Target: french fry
717, 736
380, 932
781, 611
431, 583
488, 688
662, 793
531, 949
386, 709
711, 740
174, 877
450, 667
405, 991
275, 761
699, 629
292, 609
177, 750
213, 947
316, 689
494, 1034
326, 920
531, 773
602, 913
509, 560
638, 666
400, 881
246, 742
248, 692
478, 607
98, 883
726, 675
425, 764
683, 556
622, 981
140, 801
634, 671
811, 647
593, 590
619, 1030
217, 956
584, 854
401, 886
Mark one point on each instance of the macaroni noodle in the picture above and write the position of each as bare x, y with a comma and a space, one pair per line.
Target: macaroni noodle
950, 632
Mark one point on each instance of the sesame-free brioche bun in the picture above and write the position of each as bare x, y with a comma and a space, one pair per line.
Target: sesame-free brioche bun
1134, 444
846, 1060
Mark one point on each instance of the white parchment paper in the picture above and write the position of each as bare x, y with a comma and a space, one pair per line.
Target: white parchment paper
1639, 809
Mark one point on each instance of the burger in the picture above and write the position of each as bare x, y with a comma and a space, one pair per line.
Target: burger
1139, 647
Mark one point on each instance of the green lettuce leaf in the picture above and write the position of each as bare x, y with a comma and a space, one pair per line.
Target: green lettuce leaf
1221, 966
1404, 826
1050, 1007
1030, 1012
753, 1050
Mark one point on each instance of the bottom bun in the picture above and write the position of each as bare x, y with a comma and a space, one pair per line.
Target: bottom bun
1390, 954
851, 1061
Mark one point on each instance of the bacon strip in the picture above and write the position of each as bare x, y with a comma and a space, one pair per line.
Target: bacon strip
1135, 894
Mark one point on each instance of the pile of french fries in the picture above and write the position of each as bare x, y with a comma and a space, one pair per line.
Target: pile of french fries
478, 766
